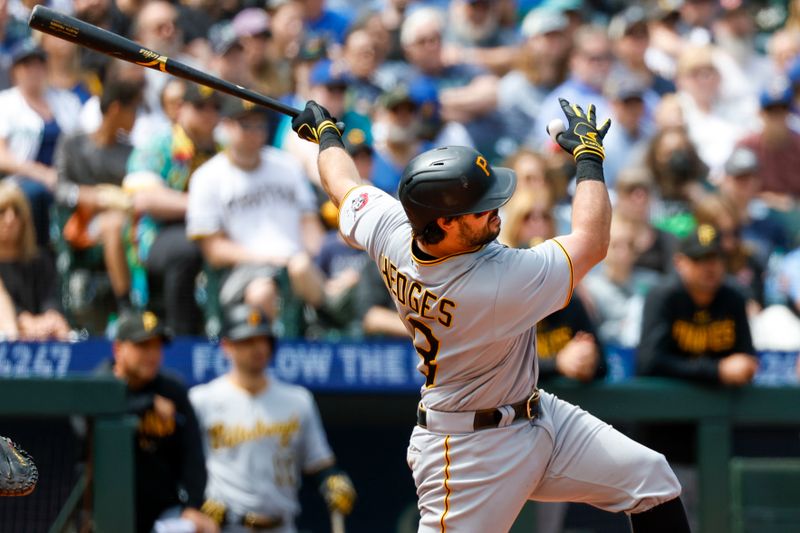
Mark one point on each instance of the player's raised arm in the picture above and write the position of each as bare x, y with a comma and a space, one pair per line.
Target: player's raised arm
587, 243
336, 168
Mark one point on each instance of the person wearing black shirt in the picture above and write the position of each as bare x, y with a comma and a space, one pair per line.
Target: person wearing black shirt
566, 342
169, 460
27, 272
694, 326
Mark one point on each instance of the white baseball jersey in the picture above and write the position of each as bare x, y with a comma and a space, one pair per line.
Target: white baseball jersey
255, 208
472, 315
257, 446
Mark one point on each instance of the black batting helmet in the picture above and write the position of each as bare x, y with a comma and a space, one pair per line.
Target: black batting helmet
451, 181
243, 321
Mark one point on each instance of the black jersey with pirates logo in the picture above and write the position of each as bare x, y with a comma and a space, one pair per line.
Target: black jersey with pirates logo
681, 339
555, 331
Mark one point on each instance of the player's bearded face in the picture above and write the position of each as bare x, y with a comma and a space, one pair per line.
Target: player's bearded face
479, 228
139, 362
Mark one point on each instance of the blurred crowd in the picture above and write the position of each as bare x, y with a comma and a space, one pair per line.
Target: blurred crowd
126, 188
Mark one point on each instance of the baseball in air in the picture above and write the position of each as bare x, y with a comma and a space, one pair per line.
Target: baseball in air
555, 127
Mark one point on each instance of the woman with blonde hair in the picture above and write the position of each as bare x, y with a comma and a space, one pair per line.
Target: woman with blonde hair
527, 219
28, 274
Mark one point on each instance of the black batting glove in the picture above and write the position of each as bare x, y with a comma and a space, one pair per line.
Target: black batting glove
313, 121
582, 138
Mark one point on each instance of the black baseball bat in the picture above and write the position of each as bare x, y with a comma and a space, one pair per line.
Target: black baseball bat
84, 34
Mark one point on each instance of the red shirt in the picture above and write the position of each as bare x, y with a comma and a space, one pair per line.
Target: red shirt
779, 166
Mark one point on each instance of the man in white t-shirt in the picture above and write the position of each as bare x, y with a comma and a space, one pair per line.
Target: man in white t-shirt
260, 434
252, 210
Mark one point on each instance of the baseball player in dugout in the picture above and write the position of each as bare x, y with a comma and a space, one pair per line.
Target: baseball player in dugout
697, 330
170, 469
487, 439
696, 324
260, 435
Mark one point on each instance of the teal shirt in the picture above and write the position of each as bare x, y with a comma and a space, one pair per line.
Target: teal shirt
171, 155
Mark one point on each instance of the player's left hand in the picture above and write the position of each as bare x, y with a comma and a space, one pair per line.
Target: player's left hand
313, 120
339, 493
582, 138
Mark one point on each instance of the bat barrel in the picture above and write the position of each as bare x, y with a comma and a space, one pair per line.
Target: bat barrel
79, 32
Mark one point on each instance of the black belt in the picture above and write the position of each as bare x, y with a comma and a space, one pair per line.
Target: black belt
220, 514
255, 521
490, 418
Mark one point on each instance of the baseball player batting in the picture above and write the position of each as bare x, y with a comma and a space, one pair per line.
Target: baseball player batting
486, 438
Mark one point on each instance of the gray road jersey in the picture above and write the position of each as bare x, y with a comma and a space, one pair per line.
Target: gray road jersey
257, 446
473, 315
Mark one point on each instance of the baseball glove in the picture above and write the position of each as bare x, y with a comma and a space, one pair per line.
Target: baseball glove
18, 474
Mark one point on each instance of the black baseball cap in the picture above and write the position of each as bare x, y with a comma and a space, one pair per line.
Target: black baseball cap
397, 96
243, 321
357, 141
200, 94
702, 242
135, 326
625, 88
235, 108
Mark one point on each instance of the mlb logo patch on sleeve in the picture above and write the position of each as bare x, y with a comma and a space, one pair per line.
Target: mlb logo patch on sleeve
356, 204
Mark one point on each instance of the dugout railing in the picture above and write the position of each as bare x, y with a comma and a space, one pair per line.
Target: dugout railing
110, 471
715, 411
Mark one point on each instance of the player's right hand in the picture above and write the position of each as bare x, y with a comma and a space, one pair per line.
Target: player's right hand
202, 522
313, 120
737, 369
578, 359
582, 138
